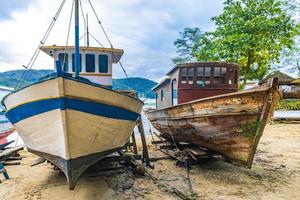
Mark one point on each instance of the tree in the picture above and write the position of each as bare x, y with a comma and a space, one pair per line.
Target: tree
186, 44
251, 33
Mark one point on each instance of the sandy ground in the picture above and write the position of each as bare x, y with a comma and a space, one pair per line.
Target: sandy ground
275, 175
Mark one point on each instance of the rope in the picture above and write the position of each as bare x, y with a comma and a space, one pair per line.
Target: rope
69, 30
96, 40
41, 44
100, 24
84, 20
120, 63
123, 70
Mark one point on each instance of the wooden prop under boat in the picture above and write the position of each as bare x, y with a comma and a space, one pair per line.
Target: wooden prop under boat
74, 121
71, 122
229, 124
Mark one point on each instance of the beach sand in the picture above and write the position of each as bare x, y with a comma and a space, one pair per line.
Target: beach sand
275, 175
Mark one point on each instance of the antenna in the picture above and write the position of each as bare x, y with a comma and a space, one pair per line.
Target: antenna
87, 31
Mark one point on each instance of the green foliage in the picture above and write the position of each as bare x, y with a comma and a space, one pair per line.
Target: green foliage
289, 105
252, 33
187, 44
141, 85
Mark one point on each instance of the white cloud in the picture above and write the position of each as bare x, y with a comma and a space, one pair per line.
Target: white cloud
145, 29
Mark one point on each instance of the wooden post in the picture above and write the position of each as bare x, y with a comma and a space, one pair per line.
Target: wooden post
135, 150
145, 148
3, 170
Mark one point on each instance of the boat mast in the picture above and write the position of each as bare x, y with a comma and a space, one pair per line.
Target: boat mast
77, 50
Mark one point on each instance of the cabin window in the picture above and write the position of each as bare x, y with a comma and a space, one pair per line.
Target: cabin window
73, 62
223, 74
103, 63
207, 75
90, 62
184, 76
156, 98
162, 95
219, 74
64, 60
174, 93
200, 76
190, 76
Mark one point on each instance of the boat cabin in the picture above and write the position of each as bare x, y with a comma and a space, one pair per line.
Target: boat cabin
191, 81
95, 62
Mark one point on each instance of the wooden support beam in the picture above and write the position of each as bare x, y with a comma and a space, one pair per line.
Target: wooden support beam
3, 171
145, 147
135, 150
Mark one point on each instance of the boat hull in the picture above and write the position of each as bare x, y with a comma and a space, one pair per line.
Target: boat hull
72, 123
230, 124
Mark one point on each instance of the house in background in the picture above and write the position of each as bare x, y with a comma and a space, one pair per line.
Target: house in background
191, 81
287, 84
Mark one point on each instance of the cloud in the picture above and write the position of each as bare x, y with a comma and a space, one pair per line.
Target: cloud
145, 29
7, 7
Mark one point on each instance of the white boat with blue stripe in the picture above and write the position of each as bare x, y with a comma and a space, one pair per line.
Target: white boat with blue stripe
72, 117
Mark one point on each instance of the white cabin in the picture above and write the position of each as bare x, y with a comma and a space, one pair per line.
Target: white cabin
95, 62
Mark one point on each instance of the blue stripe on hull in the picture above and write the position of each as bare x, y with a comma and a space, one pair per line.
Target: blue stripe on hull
100, 109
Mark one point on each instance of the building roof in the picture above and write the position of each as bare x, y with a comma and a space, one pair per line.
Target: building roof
162, 83
202, 64
283, 79
116, 53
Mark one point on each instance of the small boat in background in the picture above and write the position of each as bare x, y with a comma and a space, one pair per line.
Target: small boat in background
74, 118
4, 143
6, 133
211, 113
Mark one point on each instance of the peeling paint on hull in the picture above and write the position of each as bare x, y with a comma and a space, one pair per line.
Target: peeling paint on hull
230, 124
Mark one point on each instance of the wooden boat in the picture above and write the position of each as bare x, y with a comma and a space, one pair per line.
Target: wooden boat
73, 118
230, 124
4, 134
4, 143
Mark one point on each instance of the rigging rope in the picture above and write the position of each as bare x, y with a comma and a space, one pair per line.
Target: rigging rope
100, 24
102, 27
41, 44
84, 20
69, 30
96, 40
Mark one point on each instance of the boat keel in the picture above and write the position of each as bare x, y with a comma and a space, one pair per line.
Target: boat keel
73, 168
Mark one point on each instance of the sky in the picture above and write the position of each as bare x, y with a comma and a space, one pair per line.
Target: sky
145, 29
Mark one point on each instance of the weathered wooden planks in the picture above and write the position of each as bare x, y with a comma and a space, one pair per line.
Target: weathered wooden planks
230, 124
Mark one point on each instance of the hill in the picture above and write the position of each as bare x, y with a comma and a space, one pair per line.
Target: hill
141, 85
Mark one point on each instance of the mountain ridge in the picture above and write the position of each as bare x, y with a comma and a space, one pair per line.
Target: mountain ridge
141, 85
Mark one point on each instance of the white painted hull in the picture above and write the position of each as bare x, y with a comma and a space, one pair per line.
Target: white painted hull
75, 129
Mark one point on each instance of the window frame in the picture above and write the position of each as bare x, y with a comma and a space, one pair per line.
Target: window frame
92, 68
100, 63
65, 66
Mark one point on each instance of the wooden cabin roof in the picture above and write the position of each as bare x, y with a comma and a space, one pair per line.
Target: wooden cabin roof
202, 64
116, 53
284, 79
